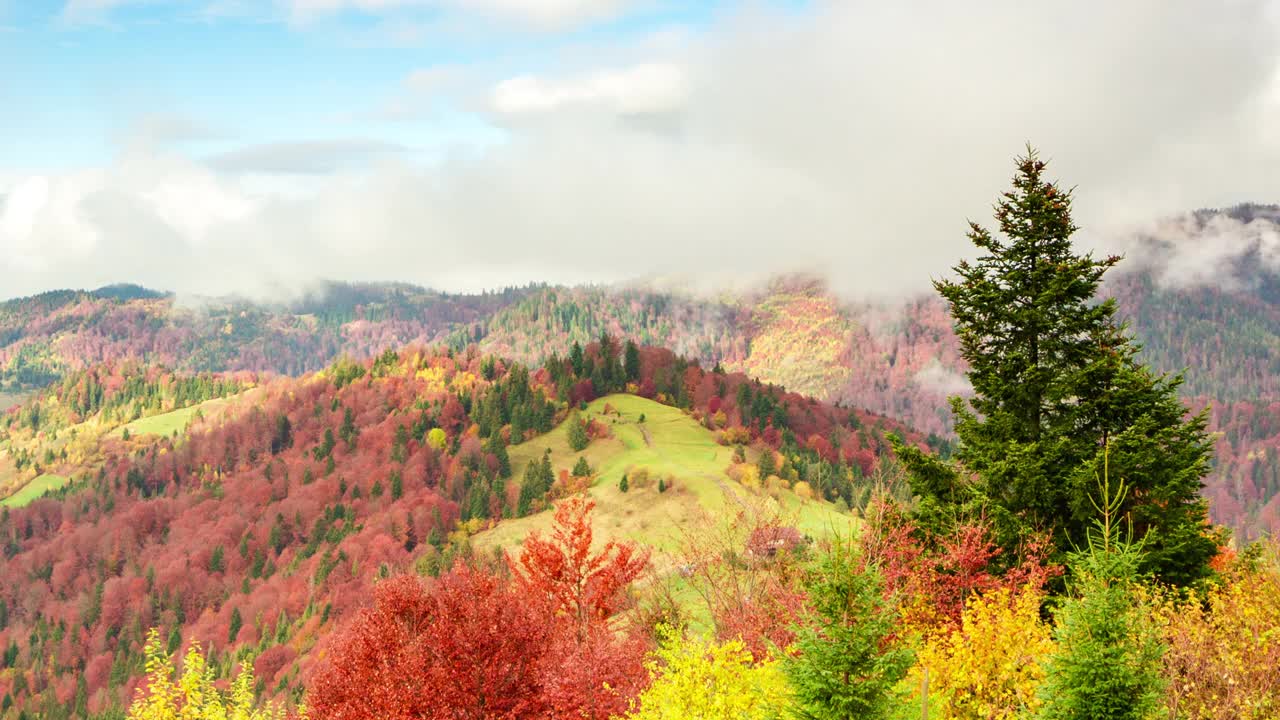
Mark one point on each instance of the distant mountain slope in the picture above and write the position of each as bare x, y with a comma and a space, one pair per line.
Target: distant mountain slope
1201, 293
44, 336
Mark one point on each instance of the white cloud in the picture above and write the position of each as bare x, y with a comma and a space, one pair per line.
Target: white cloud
306, 157
547, 14
77, 10
938, 379
853, 138
641, 89
1218, 250
539, 14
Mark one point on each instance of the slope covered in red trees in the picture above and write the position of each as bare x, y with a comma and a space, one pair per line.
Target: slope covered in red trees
261, 531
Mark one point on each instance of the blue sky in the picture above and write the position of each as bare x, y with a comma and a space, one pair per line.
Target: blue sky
87, 73
255, 147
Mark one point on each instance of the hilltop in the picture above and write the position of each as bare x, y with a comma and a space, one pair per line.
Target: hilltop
669, 447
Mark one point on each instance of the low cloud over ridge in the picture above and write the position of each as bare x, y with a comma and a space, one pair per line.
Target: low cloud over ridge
852, 139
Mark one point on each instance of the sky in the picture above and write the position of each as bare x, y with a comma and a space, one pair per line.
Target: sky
227, 146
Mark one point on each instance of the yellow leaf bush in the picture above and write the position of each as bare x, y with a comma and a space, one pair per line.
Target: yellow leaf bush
991, 667
193, 695
1224, 650
697, 679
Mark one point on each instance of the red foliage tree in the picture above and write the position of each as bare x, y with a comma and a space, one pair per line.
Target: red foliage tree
944, 572
584, 586
465, 648
590, 670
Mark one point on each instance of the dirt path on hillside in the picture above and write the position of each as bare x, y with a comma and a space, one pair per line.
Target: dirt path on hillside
732, 494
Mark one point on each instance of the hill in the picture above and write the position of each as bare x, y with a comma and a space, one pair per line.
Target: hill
667, 446
252, 514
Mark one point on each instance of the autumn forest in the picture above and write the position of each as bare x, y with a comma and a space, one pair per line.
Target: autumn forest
1048, 491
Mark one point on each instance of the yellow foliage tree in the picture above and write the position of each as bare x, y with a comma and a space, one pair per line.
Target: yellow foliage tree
193, 695
1221, 659
437, 439
993, 664
697, 678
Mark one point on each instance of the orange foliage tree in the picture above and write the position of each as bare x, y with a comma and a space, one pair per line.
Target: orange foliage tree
593, 667
545, 643
466, 646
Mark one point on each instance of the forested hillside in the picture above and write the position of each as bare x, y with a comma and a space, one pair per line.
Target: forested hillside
1222, 324
254, 514
44, 336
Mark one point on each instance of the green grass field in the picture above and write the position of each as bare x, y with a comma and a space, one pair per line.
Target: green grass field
34, 489
668, 443
172, 421
163, 424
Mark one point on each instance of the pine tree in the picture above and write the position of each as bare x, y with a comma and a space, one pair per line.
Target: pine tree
538, 477
1056, 379
496, 446
1107, 663
623, 485
233, 629
578, 438
768, 463
848, 661
631, 362
610, 371
216, 562
410, 534
581, 468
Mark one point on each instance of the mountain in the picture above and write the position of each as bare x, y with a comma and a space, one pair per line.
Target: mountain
253, 513
1201, 292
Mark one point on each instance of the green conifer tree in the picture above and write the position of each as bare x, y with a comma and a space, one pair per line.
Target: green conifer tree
1107, 662
498, 448
849, 660
578, 438
233, 629
1056, 379
631, 362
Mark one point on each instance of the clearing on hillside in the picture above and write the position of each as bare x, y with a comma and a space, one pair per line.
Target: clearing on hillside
670, 445
174, 421
13, 398
34, 490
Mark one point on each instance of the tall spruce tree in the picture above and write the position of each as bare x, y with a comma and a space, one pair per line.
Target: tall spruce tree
631, 362
1056, 379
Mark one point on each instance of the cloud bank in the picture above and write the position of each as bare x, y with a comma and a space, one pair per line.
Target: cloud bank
850, 139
